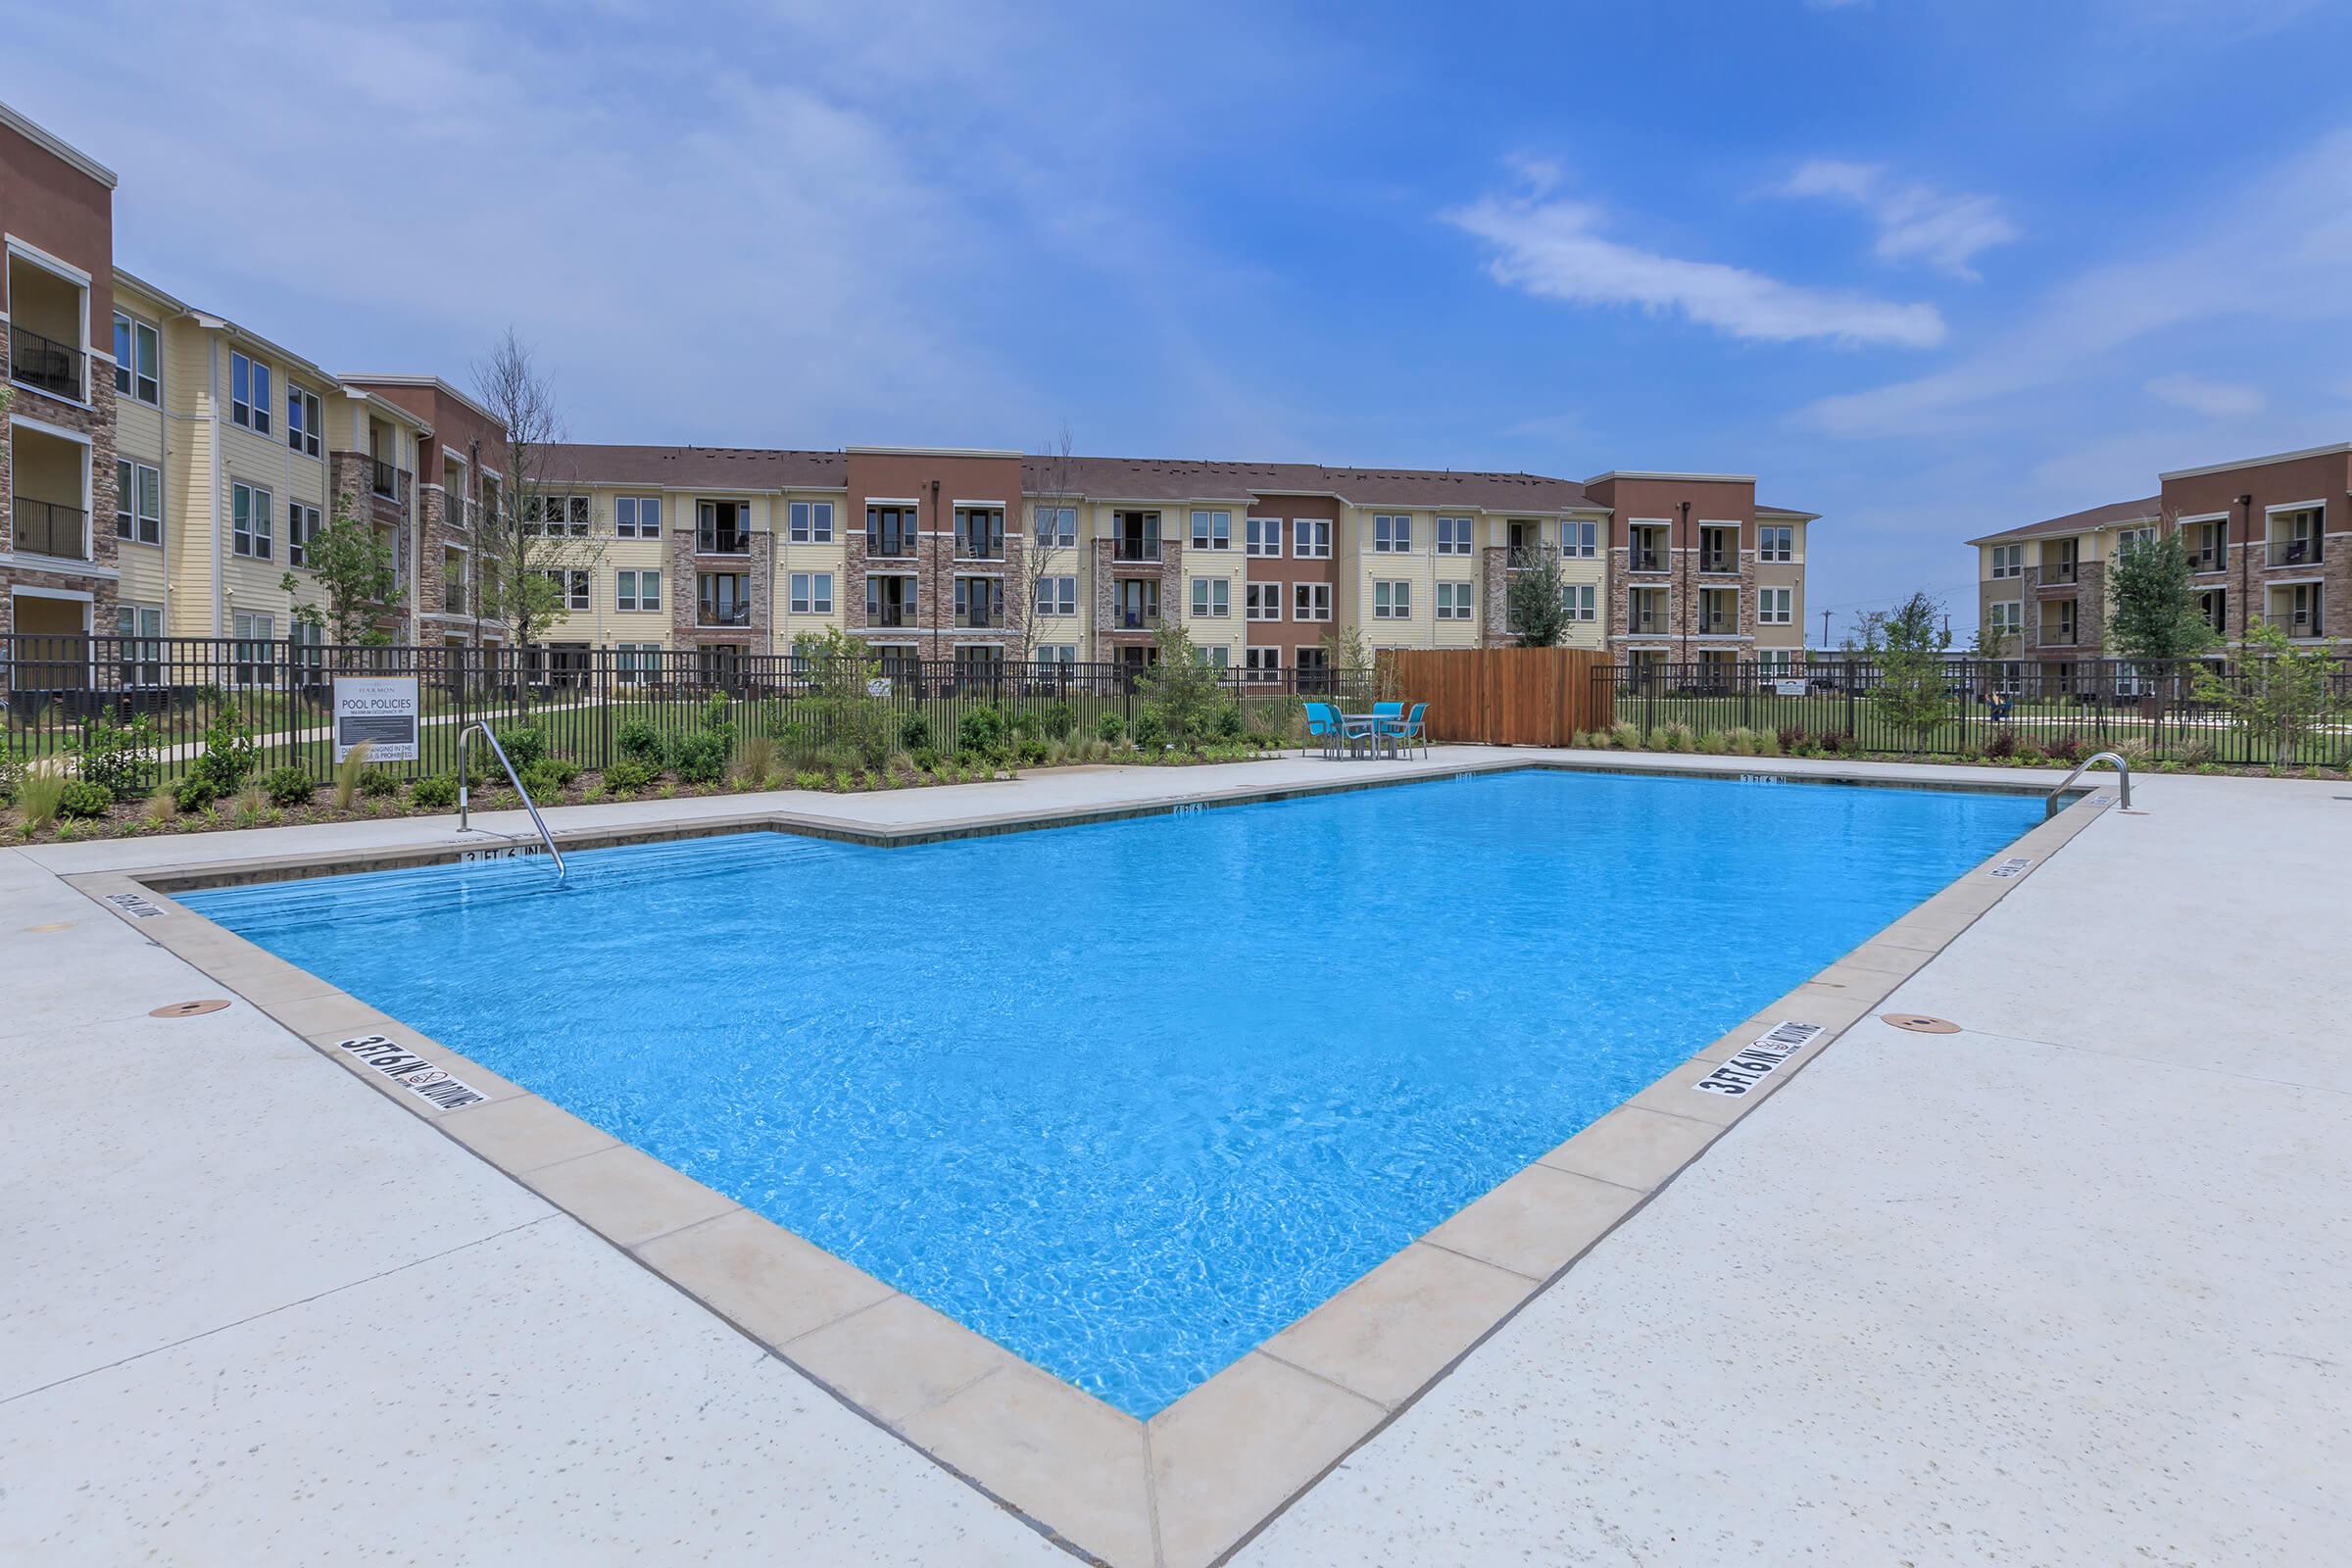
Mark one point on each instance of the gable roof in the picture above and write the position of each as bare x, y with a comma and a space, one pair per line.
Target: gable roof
2110, 515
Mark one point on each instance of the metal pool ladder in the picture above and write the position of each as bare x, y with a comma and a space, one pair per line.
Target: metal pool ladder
465, 736
2050, 803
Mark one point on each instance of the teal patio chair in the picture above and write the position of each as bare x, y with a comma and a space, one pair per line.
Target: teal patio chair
1385, 718
1323, 725
1406, 733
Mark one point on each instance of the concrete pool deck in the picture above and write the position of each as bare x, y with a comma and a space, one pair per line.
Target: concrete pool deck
236, 1285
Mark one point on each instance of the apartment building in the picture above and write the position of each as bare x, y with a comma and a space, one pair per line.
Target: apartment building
217, 454
57, 462
2268, 539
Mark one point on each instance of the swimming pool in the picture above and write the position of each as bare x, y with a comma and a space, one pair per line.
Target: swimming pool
1130, 1097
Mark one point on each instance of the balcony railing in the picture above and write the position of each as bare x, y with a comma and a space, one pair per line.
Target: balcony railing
1645, 622
2063, 572
889, 616
978, 618
708, 613
2298, 622
2058, 636
890, 545
43, 363
2209, 560
1718, 561
722, 541
979, 547
453, 598
1647, 560
1128, 619
385, 479
1126, 547
1716, 623
2304, 552
46, 529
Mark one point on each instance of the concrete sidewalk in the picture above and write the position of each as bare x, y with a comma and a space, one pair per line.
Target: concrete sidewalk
2061, 1288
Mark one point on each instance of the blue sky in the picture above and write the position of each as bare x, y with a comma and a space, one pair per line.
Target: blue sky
1926, 267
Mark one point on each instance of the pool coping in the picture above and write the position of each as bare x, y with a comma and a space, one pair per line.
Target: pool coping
1200, 1477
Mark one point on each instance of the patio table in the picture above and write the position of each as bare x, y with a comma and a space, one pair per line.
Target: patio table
1364, 726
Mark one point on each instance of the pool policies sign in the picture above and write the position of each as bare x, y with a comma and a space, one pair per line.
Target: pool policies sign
380, 710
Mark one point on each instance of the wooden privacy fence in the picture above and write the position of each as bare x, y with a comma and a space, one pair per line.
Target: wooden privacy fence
1502, 696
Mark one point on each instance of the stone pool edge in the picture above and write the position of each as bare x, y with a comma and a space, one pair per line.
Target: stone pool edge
1203, 1477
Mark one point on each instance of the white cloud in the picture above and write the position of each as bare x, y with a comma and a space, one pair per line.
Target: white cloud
2216, 400
2076, 329
1914, 220
1553, 250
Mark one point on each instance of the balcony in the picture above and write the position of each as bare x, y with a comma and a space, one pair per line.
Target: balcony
1718, 561
891, 546
722, 541
1716, 623
2063, 572
43, 364
51, 528
384, 478
2214, 560
1646, 559
979, 618
889, 616
1129, 618
2304, 552
979, 546
1130, 548
1646, 623
2298, 622
710, 613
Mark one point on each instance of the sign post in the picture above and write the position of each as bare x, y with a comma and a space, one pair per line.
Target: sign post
380, 710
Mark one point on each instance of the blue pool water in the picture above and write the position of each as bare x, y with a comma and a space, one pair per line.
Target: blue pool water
1130, 1097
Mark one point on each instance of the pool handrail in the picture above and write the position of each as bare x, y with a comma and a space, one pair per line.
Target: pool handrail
465, 736
2050, 803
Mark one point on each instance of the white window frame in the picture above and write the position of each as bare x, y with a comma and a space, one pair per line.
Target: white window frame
1056, 598
1310, 601
1767, 614
2016, 567
1580, 600
1054, 527
1580, 538
1212, 598
246, 535
303, 523
1310, 538
1776, 542
810, 522
638, 526
1393, 533
252, 411
304, 415
130, 382
573, 588
1213, 530
1393, 598
1262, 537
812, 593
126, 506
1455, 534
1261, 601
1454, 601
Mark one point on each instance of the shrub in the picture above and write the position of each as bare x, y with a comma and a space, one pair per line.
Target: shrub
121, 760
841, 783
436, 791
1033, 750
1110, 729
1225, 722
251, 805
1829, 742
925, 760
523, 744
228, 752
701, 756
640, 742
1022, 723
12, 774
1057, 722
2198, 754
915, 734
982, 729
2065, 749
627, 776
1714, 743
549, 777
808, 779
756, 759
1626, 735
1150, 730
81, 797
1790, 736
162, 806
195, 793
2003, 743
288, 787
376, 783
1768, 744
1742, 743
1656, 741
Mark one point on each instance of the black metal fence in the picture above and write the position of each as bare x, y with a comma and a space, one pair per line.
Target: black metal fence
282, 693
1988, 707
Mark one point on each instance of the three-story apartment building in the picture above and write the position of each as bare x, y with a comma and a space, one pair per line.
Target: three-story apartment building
2268, 539
166, 468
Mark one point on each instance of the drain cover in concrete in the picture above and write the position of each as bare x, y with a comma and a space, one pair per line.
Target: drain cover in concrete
1919, 1023
187, 1010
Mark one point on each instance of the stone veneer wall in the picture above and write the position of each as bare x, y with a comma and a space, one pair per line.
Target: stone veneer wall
97, 422
686, 567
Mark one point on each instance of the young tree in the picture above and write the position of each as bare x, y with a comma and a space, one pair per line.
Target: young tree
1181, 685
1347, 658
1043, 556
352, 565
2155, 614
1535, 600
2280, 694
533, 532
1913, 693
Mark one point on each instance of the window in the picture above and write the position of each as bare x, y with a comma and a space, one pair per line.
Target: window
249, 519
572, 588
1453, 536
1453, 600
1391, 535
637, 517
979, 602
1314, 669
138, 503
1264, 536
890, 601
2007, 616
1216, 655
2065, 632
302, 526
890, 532
2213, 547
249, 400
1776, 543
138, 358
980, 533
1580, 600
811, 523
303, 420
306, 650
1262, 601
2129, 537
1310, 601
637, 590
143, 658
252, 652
1213, 530
1261, 663
1212, 596
1580, 539
1057, 654
1057, 527
1771, 662
1391, 601
2008, 561
637, 663
1775, 607
556, 515
813, 593
1310, 538
1058, 596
